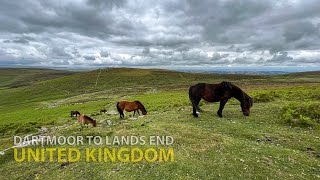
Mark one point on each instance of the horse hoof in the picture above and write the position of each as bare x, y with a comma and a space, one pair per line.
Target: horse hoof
195, 115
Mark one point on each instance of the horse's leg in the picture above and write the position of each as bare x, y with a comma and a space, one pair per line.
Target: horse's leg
222, 103
195, 106
121, 114
134, 113
138, 112
194, 110
196, 102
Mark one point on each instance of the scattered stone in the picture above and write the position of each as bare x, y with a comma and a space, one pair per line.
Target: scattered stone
123, 122
241, 160
1, 152
115, 170
112, 112
109, 122
132, 118
43, 130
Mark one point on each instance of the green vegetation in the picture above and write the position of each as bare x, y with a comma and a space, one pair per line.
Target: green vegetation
302, 114
280, 139
13, 78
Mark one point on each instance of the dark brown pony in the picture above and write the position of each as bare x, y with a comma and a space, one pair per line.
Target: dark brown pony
103, 111
74, 113
83, 119
218, 92
130, 106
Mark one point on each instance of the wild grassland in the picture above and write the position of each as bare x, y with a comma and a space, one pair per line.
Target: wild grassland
280, 139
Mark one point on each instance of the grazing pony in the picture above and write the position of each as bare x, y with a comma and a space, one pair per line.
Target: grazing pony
218, 92
83, 119
103, 111
74, 113
130, 106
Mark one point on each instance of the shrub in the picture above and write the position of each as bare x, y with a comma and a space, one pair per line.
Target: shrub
306, 114
265, 96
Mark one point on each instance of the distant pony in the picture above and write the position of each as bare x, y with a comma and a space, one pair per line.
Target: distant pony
103, 111
74, 113
218, 92
83, 119
130, 106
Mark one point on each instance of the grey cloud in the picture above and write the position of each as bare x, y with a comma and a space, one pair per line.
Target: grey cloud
217, 56
146, 50
104, 53
90, 58
59, 52
297, 30
156, 33
21, 40
280, 57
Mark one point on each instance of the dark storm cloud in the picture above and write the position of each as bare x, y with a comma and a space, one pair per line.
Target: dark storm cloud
160, 33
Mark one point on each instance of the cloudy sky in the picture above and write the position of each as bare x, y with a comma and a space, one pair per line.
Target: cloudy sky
163, 33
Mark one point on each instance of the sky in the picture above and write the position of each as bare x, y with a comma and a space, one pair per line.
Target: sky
160, 33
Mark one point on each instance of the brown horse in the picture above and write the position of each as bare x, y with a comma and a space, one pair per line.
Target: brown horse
218, 92
130, 106
74, 113
83, 119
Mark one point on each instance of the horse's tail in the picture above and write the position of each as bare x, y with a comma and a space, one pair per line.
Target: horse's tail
119, 109
94, 123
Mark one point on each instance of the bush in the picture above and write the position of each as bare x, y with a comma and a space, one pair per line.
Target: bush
301, 114
265, 96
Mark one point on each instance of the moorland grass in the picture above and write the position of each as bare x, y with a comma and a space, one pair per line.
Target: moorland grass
264, 145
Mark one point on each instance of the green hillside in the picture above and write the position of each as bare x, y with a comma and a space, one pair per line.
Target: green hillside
17, 77
280, 139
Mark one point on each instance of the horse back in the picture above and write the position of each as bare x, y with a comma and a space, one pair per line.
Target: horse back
122, 104
208, 92
197, 90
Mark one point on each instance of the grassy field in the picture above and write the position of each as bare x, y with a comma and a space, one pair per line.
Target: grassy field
280, 139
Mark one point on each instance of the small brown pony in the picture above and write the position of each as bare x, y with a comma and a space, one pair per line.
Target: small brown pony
219, 92
130, 106
74, 113
83, 119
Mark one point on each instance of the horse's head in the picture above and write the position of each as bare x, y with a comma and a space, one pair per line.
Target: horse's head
142, 108
94, 123
246, 104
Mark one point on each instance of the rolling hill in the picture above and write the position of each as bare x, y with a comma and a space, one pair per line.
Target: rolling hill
280, 139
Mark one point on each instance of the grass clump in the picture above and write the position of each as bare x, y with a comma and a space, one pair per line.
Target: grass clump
265, 96
306, 114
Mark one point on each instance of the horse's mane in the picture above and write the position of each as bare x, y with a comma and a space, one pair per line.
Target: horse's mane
231, 86
88, 117
140, 104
